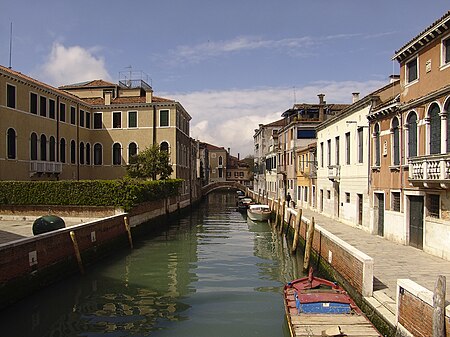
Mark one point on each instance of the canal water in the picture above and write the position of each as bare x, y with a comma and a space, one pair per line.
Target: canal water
209, 273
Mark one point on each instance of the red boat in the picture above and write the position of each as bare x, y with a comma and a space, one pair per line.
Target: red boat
318, 307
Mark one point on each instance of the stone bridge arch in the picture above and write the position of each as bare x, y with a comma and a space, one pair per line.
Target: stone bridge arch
222, 185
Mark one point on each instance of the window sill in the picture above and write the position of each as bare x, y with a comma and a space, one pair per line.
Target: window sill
394, 168
376, 168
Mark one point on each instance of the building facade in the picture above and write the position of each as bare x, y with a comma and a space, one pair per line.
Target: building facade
306, 176
411, 148
87, 130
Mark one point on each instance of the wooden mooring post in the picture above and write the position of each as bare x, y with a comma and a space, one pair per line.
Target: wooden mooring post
127, 228
77, 251
283, 212
308, 246
439, 307
298, 220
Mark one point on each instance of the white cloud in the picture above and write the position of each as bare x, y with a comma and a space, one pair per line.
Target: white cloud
229, 118
66, 65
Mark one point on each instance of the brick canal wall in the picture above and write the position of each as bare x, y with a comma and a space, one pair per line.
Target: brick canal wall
29, 264
415, 310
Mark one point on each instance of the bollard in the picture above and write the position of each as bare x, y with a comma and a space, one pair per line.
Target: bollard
77, 251
308, 246
127, 228
298, 220
439, 307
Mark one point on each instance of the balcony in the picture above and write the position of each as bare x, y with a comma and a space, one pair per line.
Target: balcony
430, 169
334, 172
40, 167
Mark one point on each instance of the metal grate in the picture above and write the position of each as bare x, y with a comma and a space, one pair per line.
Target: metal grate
433, 205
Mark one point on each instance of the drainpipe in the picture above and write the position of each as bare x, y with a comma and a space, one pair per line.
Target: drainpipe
77, 146
57, 145
154, 125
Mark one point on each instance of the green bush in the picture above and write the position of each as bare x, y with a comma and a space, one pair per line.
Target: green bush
123, 193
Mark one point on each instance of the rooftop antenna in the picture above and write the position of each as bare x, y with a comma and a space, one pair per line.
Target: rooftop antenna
10, 46
295, 95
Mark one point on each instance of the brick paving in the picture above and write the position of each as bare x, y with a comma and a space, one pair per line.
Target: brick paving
392, 261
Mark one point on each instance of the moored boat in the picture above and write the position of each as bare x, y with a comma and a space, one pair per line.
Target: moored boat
243, 204
318, 307
258, 212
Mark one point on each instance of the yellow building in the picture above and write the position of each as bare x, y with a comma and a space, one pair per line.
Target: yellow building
306, 176
87, 130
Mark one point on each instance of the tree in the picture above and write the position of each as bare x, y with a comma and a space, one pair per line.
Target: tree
149, 164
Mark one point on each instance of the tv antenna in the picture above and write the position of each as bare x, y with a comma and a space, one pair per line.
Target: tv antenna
10, 46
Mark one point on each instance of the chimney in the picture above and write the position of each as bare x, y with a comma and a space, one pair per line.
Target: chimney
228, 150
321, 107
108, 98
355, 97
238, 155
148, 96
394, 78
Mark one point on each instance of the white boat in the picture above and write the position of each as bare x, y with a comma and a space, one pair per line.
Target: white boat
258, 212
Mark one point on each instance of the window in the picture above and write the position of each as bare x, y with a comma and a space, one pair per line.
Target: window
164, 146
328, 194
306, 134
395, 142
81, 153
411, 71
117, 120
241, 174
73, 115
321, 154
395, 202
98, 155
412, 135
132, 119
73, 150
435, 129
446, 51
88, 154
52, 149
337, 150
43, 106
33, 146
88, 120
347, 148
81, 118
220, 160
360, 145
347, 197
10, 96
51, 109
62, 150
433, 205
163, 117
377, 145
62, 112
11, 143
117, 154
447, 110
98, 123
132, 151
329, 152
33, 103
43, 148
305, 194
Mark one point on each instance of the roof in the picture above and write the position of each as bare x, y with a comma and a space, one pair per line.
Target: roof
437, 28
125, 100
89, 84
211, 147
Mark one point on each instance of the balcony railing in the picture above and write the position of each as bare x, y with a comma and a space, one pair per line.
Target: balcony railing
430, 168
45, 167
334, 172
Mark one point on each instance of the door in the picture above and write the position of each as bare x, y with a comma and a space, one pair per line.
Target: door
336, 200
360, 208
416, 221
321, 200
380, 197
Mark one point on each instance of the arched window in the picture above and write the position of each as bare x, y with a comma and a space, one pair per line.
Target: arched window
395, 142
11, 143
73, 150
98, 154
164, 146
88, 154
447, 110
117, 154
52, 149
377, 144
132, 150
43, 148
62, 150
435, 129
82, 153
220, 160
33, 146
412, 135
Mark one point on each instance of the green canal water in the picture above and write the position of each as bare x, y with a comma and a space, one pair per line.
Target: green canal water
209, 273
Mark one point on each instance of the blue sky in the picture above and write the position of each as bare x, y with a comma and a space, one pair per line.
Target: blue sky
232, 64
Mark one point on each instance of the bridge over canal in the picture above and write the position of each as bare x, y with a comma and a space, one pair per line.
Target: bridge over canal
223, 185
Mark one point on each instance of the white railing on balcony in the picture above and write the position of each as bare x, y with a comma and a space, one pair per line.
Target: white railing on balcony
429, 168
334, 172
45, 167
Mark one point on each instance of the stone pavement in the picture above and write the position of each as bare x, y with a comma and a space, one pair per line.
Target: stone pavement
15, 228
392, 261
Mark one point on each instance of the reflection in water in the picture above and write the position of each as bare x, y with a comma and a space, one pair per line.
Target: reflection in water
211, 272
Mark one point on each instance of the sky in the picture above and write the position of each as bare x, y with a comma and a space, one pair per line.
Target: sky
232, 64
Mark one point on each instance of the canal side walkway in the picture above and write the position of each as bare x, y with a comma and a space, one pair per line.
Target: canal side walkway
392, 261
